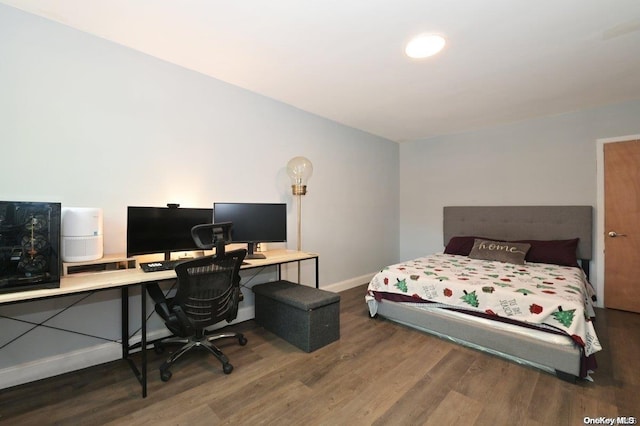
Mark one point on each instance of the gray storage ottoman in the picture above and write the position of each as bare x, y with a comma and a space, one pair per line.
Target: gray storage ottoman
306, 317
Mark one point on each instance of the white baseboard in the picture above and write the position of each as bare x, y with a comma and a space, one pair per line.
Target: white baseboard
106, 352
350, 283
59, 364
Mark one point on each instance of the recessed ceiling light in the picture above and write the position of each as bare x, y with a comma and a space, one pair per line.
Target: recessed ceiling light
424, 45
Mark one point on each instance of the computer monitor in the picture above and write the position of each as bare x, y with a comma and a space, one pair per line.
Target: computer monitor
163, 229
254, 223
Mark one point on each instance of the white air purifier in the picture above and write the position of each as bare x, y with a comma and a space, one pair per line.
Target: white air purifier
81, 234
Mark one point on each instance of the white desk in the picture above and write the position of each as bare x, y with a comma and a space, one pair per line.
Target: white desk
125, 278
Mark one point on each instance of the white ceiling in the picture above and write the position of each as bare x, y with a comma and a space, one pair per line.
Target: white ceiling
505, 60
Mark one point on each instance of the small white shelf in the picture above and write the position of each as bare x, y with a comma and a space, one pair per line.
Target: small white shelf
106, 263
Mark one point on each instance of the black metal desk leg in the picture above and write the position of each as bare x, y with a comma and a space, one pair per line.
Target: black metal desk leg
143, 342
125, 321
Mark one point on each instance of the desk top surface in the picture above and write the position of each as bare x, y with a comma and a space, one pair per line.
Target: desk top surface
77, 283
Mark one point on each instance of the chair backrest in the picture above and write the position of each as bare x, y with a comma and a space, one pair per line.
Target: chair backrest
208, 289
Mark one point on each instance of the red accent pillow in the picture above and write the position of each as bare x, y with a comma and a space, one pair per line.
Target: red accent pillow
556, 252
462, 245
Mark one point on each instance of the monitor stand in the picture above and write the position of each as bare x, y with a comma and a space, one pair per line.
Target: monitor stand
251, 254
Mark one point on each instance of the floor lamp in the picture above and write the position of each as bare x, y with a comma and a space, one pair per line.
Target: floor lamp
299, 170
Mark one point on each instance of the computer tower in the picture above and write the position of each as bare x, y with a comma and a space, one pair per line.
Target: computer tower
29, 245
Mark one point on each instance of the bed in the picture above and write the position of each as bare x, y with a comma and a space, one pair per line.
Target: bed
536, 313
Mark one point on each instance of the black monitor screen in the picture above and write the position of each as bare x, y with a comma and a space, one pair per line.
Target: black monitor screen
253, 222
163, 229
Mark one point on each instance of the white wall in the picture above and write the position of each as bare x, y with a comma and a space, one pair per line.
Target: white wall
86, 122
543, 161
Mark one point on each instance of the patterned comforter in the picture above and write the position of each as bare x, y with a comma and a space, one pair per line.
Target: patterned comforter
547, 296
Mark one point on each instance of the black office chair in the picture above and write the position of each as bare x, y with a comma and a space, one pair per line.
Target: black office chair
208, 292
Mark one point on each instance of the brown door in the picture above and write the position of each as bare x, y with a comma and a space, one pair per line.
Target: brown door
622, 225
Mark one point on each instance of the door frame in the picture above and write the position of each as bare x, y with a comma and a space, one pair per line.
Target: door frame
599, 237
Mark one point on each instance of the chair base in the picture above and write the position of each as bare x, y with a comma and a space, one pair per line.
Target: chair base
200, 341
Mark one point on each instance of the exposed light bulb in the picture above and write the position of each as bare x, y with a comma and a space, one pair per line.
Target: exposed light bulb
299, 170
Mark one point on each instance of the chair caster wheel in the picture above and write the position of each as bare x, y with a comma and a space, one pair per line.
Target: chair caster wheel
165, 376
227, 368
242, 340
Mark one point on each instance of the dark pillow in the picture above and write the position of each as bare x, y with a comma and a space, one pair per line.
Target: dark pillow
502, 251
461, 245
556, 252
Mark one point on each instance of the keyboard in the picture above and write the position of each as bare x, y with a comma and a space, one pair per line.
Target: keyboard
164, 265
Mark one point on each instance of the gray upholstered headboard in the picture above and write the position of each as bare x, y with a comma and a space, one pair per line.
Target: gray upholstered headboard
522, 223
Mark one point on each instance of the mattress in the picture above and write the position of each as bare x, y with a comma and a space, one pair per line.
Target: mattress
548, 302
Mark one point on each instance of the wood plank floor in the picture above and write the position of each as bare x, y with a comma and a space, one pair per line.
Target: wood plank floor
379, 373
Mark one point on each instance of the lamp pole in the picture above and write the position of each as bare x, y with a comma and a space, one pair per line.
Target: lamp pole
299, 202
299, 170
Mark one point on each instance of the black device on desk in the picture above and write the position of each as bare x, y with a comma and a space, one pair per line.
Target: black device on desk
163, 229
253, 223
29, 245
161, 265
